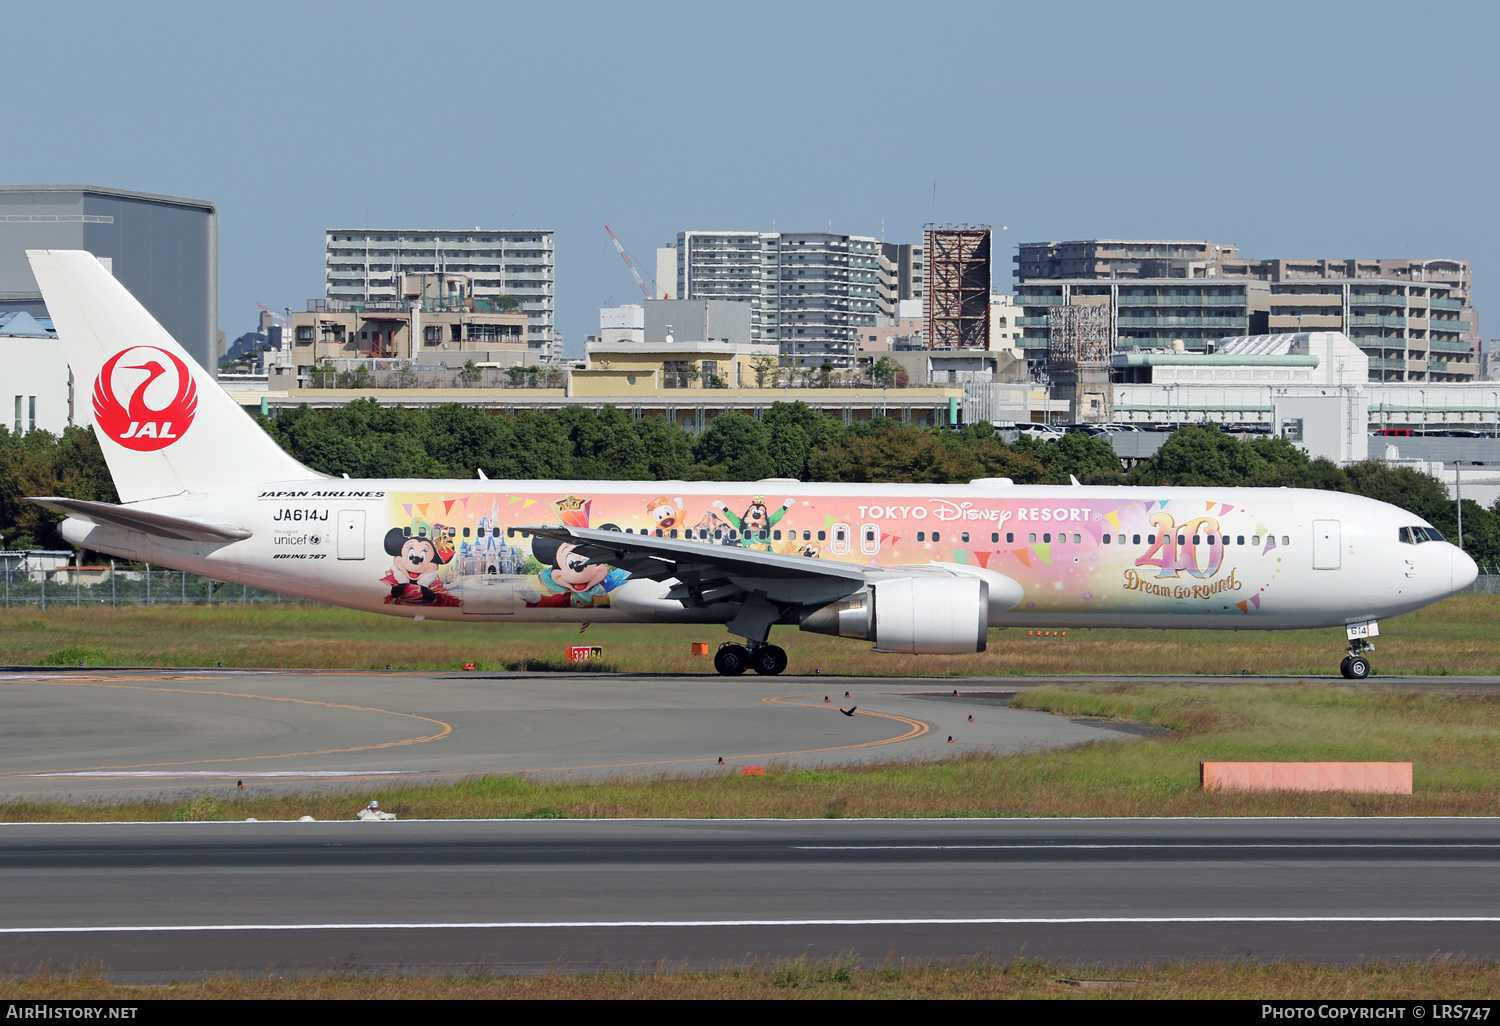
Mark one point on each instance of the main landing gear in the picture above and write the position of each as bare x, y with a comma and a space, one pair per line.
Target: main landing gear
733, 659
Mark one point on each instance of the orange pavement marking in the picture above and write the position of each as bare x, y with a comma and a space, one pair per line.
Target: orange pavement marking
112, 682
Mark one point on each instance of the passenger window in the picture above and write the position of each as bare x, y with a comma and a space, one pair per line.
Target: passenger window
1031, 537
807, 535
658, 533
1181, 540
763, 534
510, 532
1106, 539
1255, 539
822, 535
1239, 539
1137, 539
1197, 539
1122, 539
466, 532
1047, 538
719, 533
1150, 539
965, 536
994, 538
1285, 540
1009, 537
921, 536
936, 536
1078, 539
674, 533
776, 534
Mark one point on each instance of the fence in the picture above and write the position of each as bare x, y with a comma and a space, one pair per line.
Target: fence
108, 586
1487, 583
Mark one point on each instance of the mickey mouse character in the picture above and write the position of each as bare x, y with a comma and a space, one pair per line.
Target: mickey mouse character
573, 579
417, 552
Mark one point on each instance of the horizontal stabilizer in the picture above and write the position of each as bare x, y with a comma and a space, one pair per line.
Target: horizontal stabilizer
156, 524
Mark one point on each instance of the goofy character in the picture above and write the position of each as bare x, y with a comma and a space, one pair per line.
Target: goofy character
417, 552
756, 523
572, 580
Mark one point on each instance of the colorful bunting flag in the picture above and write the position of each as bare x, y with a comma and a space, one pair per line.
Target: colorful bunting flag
1024, 555
1113, 516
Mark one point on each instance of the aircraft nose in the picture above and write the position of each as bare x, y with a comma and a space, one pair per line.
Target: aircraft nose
1465, 570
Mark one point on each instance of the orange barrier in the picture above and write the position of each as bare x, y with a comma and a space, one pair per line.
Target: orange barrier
700, 648
1380, 777
752, 771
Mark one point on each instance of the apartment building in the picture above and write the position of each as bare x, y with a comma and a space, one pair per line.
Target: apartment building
810, 293
367, 268
1147, 313
1412, 318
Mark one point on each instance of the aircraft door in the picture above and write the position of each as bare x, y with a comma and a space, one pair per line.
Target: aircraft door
840, 544
351, 534
1326, 545
869, 539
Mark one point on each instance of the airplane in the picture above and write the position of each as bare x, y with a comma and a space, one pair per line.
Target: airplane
914, 568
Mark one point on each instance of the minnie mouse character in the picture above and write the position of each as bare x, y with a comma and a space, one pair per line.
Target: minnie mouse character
417, 552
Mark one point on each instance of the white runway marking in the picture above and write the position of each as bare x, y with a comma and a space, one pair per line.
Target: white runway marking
681, 923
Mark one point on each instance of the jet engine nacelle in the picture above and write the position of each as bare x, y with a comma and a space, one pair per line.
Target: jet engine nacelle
922, 615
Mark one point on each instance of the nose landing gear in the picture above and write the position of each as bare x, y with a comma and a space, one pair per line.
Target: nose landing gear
1356, 666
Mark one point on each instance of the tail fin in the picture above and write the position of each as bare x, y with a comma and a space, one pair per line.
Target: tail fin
163, 422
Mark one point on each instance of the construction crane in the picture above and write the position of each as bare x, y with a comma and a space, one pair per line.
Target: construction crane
630, 264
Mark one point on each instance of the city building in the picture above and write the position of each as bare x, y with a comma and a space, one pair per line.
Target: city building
436, 320
164, 249
622, 323
666, 273
1005, 316
1413, 318
669, 321
36, 387
1147, 313
371, 268
810, 293
910, 264
958, 286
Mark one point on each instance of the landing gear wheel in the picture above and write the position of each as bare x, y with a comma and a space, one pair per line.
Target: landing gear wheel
1344, 666
732, 660
1356, 668
768, 660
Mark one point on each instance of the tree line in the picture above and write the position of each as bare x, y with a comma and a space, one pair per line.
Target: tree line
792, 440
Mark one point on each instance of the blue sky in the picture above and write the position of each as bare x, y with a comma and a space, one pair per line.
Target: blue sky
1289, 129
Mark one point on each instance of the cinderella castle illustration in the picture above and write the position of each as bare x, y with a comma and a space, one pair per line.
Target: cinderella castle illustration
487, 553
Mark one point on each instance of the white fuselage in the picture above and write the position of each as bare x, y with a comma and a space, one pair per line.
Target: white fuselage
1221, 558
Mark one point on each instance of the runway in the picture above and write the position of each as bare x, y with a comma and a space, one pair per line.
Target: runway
97, 735
162, 901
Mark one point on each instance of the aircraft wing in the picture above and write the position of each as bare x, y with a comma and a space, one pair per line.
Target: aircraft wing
708, 572
157, 524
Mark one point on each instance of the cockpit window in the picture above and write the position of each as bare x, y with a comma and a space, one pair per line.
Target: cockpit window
1418, 535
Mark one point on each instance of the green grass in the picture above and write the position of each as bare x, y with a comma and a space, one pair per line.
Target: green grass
1456, 636
843, 977
1450, 739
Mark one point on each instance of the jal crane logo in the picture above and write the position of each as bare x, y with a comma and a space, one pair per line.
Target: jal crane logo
143, 422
